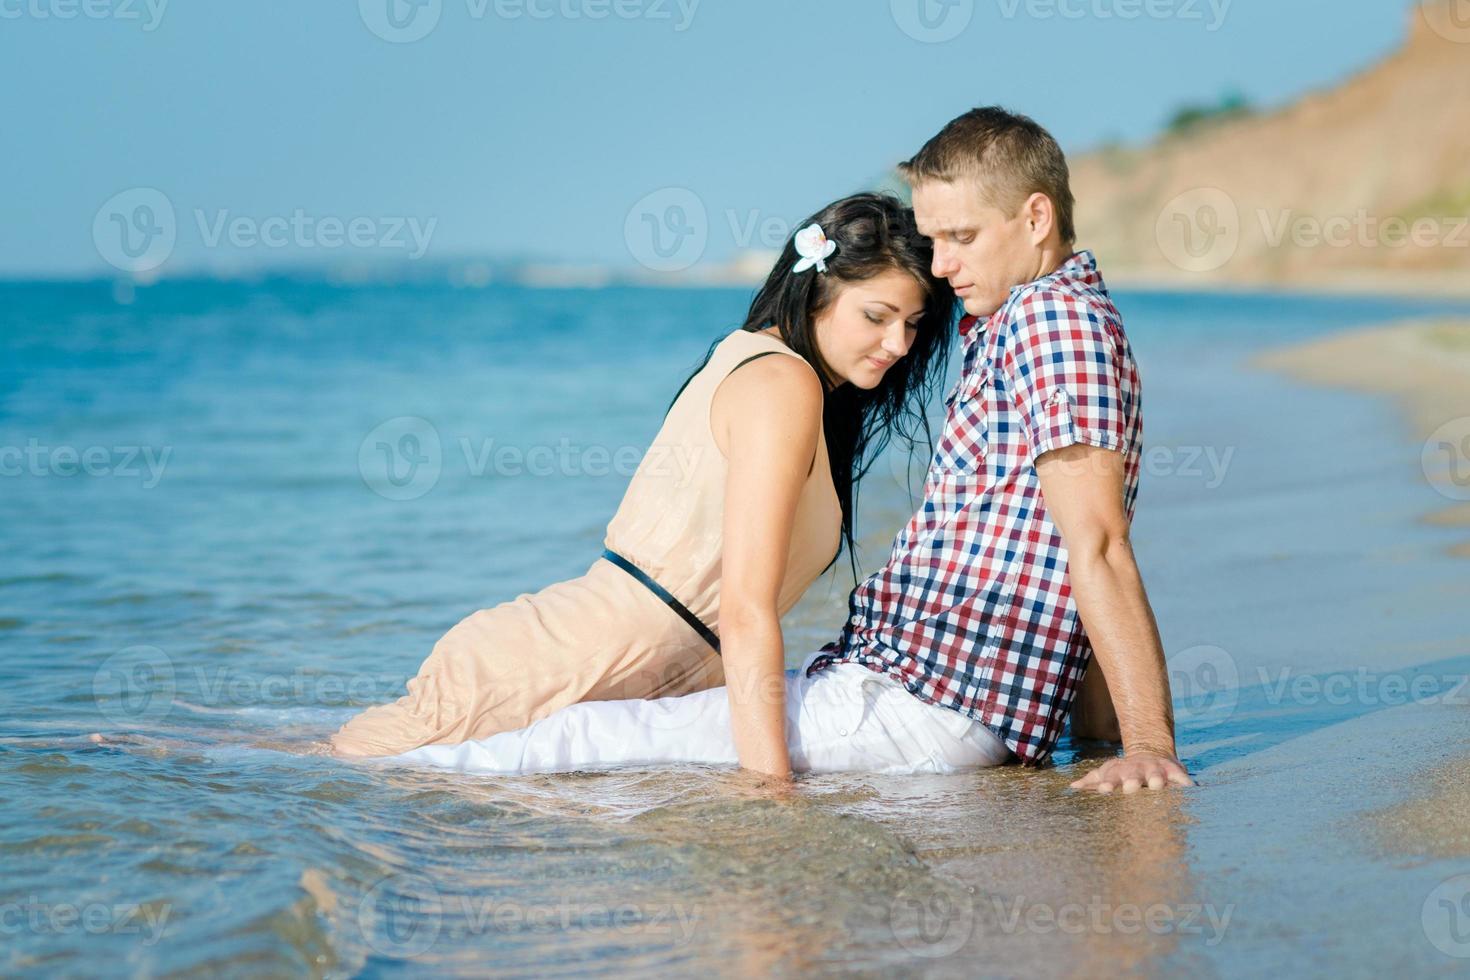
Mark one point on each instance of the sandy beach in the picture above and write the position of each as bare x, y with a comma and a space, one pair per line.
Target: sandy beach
1425, 366
1434, 823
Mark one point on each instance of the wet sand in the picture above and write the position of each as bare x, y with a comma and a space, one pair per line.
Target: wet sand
1425, 366
1434, 825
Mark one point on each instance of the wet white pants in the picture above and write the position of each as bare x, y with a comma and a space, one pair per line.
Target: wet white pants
845, 718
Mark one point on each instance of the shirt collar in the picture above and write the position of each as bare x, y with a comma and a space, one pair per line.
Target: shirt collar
968, 329
1080, 267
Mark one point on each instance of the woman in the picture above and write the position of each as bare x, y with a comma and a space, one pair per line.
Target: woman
744, 498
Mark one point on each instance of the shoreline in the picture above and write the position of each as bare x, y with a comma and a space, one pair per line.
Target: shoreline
1423, 364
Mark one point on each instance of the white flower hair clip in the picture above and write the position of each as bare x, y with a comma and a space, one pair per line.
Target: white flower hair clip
814, 247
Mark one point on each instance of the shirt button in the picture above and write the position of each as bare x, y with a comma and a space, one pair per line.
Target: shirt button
842, 731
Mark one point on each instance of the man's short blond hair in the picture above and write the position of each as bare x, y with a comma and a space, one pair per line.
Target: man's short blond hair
1011, 157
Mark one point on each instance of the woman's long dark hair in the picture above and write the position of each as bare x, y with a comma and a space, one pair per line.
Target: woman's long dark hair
875, 233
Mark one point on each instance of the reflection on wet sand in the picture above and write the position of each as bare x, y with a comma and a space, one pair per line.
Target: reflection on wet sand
1042, 876
875, 872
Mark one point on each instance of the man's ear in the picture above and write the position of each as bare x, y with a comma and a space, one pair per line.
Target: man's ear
1040, 215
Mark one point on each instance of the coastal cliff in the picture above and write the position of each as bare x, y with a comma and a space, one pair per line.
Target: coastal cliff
1362, 186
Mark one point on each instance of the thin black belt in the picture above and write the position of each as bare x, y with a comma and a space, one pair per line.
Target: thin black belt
665, 595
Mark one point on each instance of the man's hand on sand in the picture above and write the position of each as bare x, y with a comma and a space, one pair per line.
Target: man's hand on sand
1134, 772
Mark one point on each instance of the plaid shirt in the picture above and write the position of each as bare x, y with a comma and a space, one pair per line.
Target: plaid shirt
973, 609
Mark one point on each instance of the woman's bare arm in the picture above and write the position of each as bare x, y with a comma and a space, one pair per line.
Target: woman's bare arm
766, 417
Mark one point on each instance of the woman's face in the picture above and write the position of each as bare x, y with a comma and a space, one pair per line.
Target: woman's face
869, 326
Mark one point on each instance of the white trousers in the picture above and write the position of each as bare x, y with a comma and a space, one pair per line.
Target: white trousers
845, 718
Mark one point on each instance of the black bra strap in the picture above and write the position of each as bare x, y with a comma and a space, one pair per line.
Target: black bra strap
664, 594
748, 360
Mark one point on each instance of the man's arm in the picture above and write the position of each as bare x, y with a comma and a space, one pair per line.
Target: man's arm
1093, 715
1082, 488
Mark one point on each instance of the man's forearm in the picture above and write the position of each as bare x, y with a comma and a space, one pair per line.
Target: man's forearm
1120, 624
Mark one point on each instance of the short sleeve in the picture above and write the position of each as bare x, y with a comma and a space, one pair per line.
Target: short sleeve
1063, 366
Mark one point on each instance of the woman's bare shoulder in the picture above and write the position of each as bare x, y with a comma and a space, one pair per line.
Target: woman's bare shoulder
785, 377
780, 391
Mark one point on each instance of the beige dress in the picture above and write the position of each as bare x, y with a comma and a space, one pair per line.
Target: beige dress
604, 635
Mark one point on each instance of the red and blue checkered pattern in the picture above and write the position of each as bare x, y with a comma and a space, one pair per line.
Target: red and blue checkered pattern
973, 609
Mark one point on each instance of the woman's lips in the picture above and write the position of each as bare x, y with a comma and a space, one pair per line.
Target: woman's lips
880, 364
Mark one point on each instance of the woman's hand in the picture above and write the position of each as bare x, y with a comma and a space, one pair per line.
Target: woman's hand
750, 785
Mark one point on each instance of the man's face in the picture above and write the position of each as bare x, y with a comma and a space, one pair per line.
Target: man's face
982, 251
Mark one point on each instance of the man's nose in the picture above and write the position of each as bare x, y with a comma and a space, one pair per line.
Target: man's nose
943, 264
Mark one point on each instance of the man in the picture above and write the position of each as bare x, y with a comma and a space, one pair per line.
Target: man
1017, 570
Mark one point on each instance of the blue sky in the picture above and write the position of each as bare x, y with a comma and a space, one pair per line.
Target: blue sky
535, 127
